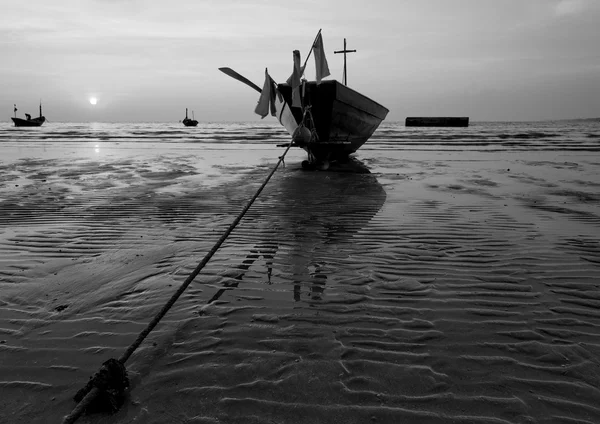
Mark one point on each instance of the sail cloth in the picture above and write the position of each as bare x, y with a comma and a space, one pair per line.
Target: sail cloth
266, 101
272, 100
294, 80
320, 59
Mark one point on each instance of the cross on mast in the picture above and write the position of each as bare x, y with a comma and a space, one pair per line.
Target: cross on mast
345, 79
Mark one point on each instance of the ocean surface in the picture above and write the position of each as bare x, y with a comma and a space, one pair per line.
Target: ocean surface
581, 134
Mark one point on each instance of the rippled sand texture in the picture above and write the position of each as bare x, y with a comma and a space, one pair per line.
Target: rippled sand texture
455, 287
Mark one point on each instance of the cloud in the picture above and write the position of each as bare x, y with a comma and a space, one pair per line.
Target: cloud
570, 7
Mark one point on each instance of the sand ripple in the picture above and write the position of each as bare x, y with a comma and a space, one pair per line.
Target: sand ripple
439, 289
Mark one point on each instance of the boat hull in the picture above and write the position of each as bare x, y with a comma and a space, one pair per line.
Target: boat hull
190, 122
342, 118
35, 122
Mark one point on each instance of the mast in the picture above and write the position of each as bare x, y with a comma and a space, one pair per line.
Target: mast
345, 79
186, 113
41, 109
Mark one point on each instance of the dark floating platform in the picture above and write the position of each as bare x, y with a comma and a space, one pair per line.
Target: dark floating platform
437, 121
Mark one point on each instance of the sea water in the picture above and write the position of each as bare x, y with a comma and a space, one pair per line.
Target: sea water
581, 134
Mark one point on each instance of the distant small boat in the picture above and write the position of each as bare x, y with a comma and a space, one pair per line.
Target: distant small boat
189, 122
29, 122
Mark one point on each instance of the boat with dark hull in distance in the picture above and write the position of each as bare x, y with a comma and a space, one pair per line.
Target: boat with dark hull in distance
189, 122
326, 118
29, 121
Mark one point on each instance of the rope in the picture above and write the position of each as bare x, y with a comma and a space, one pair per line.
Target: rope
93, 393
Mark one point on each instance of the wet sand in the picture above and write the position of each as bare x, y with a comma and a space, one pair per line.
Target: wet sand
452, 287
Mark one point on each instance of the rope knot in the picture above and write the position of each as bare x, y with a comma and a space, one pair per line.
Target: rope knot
112, 382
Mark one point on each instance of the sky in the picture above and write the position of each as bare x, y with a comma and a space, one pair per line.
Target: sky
148, 60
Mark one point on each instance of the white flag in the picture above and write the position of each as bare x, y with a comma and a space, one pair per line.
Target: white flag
294, 80
267, 97
320, 59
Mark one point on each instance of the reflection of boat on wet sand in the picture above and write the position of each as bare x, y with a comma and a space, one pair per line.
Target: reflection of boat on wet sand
321, 218
327, 119
307, 222
29, 121
189, 122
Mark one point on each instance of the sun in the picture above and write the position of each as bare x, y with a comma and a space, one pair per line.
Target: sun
93, 100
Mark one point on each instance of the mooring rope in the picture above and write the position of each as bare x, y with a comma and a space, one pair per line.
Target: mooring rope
94, 392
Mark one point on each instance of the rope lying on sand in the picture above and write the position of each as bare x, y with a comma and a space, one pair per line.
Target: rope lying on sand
93, 391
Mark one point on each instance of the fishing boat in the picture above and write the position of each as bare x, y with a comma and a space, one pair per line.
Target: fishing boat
189, 122
29, 121
326, 118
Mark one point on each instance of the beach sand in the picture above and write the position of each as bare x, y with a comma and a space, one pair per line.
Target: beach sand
444, 287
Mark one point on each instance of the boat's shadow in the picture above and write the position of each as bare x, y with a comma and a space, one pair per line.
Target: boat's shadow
305, 217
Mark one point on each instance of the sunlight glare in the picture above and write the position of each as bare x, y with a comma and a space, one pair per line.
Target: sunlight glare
93, 100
